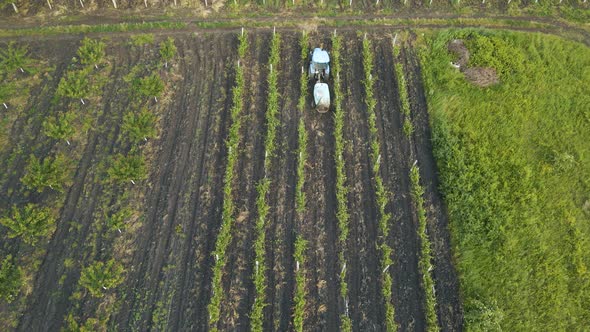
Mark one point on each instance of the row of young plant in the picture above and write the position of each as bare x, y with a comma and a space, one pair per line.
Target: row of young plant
33, 222
417, 192
126, 165
380, 191
342, 214
425, 263
300, 243
272, 123
227, 217
408, 127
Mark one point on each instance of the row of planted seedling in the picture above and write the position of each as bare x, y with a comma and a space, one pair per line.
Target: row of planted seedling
272, 124
342, 214
381, 193
227, 216
300, 243
33, 222
417, 192
408, 127
126, 166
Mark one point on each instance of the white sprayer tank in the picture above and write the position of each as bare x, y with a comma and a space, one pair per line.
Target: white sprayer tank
321, 97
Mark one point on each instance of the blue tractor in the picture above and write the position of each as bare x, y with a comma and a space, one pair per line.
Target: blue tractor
319, 71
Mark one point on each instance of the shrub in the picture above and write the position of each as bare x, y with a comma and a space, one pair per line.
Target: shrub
50, 173
167, 50
139, 126
100, 276
29, 223
117, 220
11, 279
127, 169
142, 39
76, 84
149, 86
91, 52
14, 57
59, 128
494, 52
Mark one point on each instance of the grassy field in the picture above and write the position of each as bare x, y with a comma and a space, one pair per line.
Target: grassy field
514, 163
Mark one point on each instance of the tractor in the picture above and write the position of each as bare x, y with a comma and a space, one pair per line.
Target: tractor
319, 71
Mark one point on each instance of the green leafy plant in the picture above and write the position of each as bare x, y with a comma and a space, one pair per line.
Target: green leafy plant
167, 50
14, 57
11, 279
126, 169
51, 172
299, 310
28, 223
91, 52
142, 39
90, 325
117, 220
60, 128
99, 277
75, 84
149, 86
140, 126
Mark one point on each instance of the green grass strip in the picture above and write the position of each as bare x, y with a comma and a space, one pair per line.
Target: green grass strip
272, 122
341, 189
300, 243
227, 219
381, 193
424, 265
99, 28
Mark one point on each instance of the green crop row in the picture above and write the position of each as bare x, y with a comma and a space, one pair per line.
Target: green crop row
408, 127
272, 110
341, 189
381, 193
227, 218
300, 243
424, 265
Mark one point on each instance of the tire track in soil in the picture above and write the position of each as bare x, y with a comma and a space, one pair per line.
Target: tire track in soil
49, 297
319, 226
280, 230
408, 297
201, 202
363, 258
450, 313
237, 279
167, 179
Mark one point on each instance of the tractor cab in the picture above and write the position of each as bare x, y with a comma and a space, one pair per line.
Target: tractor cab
319, 66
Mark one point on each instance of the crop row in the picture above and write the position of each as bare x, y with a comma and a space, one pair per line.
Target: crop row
341, 190
381, 192
227, 217
408, 127
272, 122
424, 265
127, 167
300, 243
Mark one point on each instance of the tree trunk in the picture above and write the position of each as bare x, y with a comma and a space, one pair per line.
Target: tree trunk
81, 3
145, 3
49, 4
115, 4
14, 7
